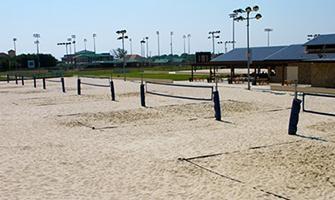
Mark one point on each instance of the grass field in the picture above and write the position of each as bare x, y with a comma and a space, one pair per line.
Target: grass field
160, 72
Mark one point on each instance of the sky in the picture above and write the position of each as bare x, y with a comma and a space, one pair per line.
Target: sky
57, 20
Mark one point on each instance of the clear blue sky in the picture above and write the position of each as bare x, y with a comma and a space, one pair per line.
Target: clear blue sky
56, 20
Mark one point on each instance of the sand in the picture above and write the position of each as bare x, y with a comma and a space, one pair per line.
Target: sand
64, 146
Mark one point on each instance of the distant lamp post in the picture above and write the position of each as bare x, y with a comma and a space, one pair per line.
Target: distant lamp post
94, 36
189, 43
220, 43
258, 16
14, 41
225, 45
74, 43
158, 42
142, 48
184, 38
37, 42
214, 35
233, 16
268, 31
122, 37
147, 43
131, 45
85, 44
171, 42
69, 43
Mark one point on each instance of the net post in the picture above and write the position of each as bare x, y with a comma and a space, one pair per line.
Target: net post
79, 86
217, 106
142, 95
63, 84
44, 84
34, 77
22, 80
294, 117
16, 81
8, 79
303, 102
112, 90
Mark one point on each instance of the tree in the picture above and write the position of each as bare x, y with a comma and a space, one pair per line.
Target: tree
119, 53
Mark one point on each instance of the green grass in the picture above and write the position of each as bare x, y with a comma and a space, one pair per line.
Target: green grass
135, 74
157, 72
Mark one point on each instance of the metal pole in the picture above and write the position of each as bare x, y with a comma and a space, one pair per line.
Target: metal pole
171, 42
159, 51
184, 37
248, 50
189, 43
233, 32
213, 43
268, 38
94, 44
131, 45
124, 59
147, 39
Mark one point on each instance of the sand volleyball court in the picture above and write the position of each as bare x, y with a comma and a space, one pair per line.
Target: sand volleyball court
58, 145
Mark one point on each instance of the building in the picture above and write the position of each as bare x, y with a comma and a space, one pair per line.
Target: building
312, 63
87, 58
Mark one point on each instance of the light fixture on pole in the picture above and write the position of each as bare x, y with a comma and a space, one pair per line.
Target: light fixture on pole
74, 43
258, 16
233, 16
85, 44
214, 35
220, 43
312, 36
225, 45
171, 42
94, 36
37, 42
189, 43
147, 43
158, 42
122, 37
268, 30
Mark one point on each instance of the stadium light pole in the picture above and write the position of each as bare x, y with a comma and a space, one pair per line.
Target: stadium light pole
213, 36
74, 43
37, 36
147, 43
69, 43
14, 41
142, 48
189, 43
171, 42
94, 36
158, 42
131, 45
268, 30
122, 37
233, 16
85, 41
258, 16
220, 43
184, 38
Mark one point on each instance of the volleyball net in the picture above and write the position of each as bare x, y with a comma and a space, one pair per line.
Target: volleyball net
180, 91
